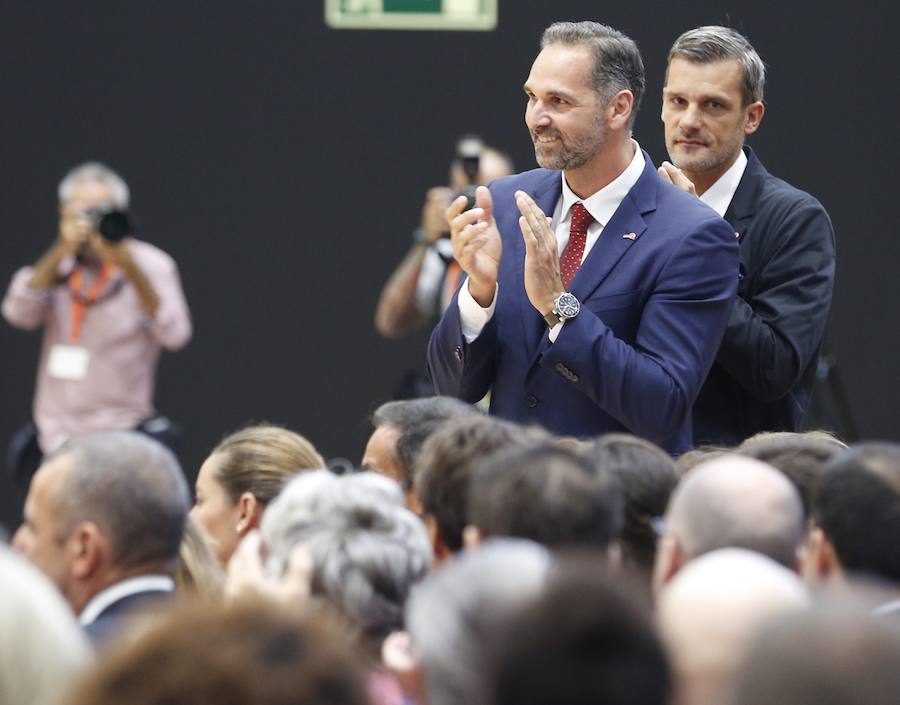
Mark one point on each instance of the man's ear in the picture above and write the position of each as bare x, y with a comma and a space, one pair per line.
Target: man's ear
472, 537
754, 115
619, 109
249, 513
438, 546
822, 562
89, 550
398, 657
669, 560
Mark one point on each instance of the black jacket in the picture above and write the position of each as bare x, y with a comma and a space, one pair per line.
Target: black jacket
766, 366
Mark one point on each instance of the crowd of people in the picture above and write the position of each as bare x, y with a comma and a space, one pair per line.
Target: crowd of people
639, 520
493, 563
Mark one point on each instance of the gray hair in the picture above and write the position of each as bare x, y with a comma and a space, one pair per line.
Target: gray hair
43, 649
451, 615
133, 488
617, 60
712, 43
367, 549
95, 171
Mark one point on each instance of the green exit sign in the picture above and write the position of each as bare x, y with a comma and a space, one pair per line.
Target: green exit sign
478, 15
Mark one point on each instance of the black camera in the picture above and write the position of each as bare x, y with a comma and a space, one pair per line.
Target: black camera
114, 225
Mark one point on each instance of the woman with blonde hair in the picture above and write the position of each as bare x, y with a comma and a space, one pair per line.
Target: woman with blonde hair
244, 472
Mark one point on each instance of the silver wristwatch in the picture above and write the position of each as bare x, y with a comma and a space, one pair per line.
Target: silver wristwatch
565, 306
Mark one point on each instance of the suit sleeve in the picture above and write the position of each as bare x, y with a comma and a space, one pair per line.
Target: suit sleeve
650, 385
457, 368
776, 330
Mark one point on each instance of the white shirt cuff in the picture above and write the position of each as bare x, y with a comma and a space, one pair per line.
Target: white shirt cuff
553, 334
473, 318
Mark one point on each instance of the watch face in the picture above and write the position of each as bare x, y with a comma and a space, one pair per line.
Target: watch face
567, 305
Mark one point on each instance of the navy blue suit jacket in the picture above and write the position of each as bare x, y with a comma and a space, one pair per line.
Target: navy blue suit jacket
654, 307
766, 367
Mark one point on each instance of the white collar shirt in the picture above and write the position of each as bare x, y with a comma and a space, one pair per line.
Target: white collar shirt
124, 588
719, 195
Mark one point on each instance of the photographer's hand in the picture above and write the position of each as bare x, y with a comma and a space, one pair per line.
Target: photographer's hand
74, 229
119, 254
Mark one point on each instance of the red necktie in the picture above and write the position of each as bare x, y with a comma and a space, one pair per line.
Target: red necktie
570, 259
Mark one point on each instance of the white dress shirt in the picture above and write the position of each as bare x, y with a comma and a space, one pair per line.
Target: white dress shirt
719, 195
601, 205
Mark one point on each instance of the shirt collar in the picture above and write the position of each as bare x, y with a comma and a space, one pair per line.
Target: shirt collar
130, 586
719, 195
602, 204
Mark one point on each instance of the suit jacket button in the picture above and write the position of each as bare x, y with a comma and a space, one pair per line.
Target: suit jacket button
531, 401
458, 353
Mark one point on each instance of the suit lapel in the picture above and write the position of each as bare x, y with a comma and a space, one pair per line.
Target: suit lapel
743, 204
620, 234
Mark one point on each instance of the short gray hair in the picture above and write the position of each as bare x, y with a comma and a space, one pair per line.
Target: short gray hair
43, 649
451, 615
712, 43
617, 60
95, 171
133, 488
367, 549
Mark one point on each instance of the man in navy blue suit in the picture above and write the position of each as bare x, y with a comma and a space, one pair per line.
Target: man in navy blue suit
764, 373
606, 315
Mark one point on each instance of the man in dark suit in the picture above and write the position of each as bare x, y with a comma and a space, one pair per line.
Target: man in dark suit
606, 316
104, 519
764, 372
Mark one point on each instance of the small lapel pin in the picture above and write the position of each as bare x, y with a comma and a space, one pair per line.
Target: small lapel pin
630, 236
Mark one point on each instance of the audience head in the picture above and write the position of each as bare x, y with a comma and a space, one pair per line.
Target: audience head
367, 550
585, 641
244, 472
43, 649
647, 476
824, 656
547, 494
452, 615
617, 63
709, 613
800, 456
730, 502
245, 654
492, 164
104, 507
856, 510
401, 428
95, 182
445, 467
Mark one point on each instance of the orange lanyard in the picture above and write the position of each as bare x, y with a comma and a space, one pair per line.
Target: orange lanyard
80, 301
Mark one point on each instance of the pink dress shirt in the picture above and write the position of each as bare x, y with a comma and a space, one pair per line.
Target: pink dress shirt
123, 343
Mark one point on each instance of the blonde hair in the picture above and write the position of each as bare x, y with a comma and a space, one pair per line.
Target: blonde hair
258, 459
198, 573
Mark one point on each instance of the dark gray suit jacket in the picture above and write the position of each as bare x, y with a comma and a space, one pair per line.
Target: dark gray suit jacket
766, 366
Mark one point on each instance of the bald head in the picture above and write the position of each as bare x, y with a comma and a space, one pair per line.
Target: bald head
709, 613
736, 502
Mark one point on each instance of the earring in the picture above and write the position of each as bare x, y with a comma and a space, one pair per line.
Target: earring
239, 528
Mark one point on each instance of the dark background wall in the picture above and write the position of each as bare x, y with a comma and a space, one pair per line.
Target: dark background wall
283, 165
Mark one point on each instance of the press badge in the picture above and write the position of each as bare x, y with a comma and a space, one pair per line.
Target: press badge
68, 362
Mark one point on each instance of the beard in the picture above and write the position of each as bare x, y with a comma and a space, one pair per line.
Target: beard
708, 159
568, 153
